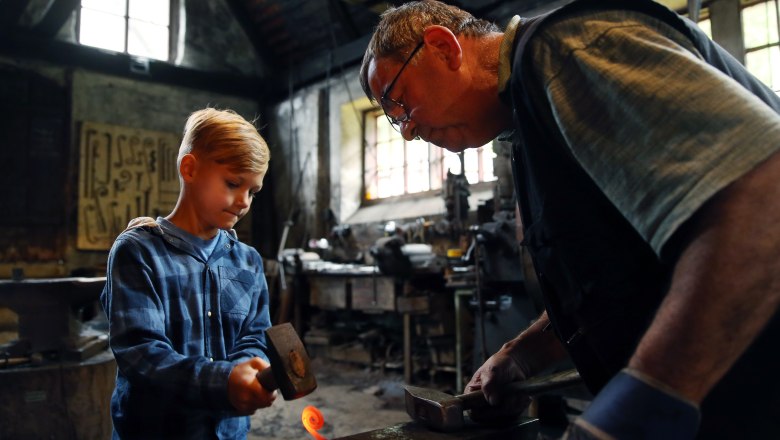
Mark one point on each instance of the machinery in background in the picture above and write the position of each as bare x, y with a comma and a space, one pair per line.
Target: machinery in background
456, 202
434, 296
501, 304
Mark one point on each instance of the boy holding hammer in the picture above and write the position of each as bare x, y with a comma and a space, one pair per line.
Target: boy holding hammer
187, 302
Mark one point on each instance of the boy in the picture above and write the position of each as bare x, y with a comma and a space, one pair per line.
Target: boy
187, 303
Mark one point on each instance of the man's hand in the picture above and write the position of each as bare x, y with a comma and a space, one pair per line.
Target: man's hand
635, 406
499, 370
244, 391
530, 352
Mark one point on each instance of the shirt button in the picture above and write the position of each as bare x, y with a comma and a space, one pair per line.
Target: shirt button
208, 313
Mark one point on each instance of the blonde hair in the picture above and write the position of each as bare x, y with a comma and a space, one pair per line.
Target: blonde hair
225, 137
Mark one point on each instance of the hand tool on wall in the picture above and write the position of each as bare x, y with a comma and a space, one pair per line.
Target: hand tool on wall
290, 369
444, 412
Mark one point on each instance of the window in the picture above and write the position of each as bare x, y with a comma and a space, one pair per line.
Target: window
760, 23
706, 27
705, 22
395, 167
137, 27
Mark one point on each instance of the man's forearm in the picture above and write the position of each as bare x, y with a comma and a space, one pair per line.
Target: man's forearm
537, 346
724, 290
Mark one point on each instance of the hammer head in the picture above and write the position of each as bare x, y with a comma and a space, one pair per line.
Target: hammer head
289, 362
437, 410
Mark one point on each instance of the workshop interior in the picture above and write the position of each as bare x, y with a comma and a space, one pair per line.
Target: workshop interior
386, 256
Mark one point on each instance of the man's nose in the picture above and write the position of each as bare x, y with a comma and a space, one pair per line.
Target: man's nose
408, 130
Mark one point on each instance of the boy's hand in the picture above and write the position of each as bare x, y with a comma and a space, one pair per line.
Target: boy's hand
244, 391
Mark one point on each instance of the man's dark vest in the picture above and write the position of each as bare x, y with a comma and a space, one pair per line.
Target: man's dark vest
602, 282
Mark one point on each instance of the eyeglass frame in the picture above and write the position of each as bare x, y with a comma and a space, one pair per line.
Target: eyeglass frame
394, 122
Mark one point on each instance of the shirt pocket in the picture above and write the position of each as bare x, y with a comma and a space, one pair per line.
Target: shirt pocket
237, 288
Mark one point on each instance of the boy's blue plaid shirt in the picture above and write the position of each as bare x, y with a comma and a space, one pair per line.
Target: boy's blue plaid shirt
178, 324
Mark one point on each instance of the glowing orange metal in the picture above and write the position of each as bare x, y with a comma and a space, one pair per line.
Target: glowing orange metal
313, 421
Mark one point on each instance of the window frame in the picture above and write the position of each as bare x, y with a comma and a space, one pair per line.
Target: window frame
744, 4
173, 31
375, 113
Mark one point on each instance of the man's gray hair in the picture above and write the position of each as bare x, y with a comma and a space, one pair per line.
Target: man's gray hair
401, 28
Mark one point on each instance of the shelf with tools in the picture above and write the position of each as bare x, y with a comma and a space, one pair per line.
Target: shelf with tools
355, 314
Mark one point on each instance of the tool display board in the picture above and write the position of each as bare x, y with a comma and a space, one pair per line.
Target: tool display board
123, 173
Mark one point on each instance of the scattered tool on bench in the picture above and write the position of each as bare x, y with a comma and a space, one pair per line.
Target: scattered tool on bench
444, 412
290, 369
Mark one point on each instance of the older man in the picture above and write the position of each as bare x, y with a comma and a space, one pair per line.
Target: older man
648, 182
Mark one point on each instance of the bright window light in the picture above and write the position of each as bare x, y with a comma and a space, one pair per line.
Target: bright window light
99, 29
115, 7
152, 11
148, 40
138, 27
760, 30
395, 167
706, 27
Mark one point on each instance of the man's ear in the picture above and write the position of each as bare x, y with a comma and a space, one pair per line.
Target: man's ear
444, 44
188, 167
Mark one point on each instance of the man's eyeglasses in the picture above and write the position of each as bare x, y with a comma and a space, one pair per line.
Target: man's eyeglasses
391, 105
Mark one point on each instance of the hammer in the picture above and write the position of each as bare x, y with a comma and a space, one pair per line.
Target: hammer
290, 371
444, 412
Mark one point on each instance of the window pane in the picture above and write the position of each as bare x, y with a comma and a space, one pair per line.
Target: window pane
418, 177
370, 159
471, 163
384, 185
435, 153
99, 29
148, 40
417, 151
451, 162
396, 158
487, 162
116, 7
383, 129
152, 11
759, 24
417, 166
383, 157
395, 167
391, 182
765, 65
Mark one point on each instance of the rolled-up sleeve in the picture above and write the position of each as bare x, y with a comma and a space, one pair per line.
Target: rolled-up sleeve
657, 129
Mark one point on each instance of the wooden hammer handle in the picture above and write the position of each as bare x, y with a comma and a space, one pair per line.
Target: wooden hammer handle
267, 379
532, 387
